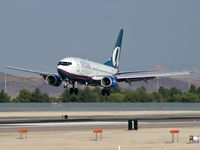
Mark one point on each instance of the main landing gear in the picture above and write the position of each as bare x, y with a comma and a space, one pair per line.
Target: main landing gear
73, 89
105, 91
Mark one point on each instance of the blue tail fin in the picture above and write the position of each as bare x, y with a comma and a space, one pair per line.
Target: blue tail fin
114, 60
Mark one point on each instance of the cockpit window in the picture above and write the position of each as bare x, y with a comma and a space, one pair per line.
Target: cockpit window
64, 63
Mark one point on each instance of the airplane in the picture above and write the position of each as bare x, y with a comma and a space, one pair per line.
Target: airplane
72, 70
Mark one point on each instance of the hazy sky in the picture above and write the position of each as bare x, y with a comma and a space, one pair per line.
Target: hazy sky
37, 34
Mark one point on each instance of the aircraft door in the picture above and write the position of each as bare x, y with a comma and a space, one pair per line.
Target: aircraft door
78, 68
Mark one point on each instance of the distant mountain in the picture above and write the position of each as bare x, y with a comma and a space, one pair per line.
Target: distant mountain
152, 85
162, 68
16, 83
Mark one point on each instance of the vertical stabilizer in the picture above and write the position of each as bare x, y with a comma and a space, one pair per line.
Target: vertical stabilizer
114, 60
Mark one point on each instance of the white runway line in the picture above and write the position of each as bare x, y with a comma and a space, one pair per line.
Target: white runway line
62, 124
163, 123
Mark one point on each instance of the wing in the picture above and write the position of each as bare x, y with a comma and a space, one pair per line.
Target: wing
139, 71
43, 74
147, 76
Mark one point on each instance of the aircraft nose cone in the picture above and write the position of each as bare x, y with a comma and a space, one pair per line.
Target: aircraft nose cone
60, 73
58, 67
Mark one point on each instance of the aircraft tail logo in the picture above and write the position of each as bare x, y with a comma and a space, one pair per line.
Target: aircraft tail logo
114, 60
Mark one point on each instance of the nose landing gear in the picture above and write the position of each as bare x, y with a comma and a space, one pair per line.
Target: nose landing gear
66, 85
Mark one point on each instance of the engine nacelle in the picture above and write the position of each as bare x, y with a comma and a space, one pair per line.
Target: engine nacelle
53, 80
108, 82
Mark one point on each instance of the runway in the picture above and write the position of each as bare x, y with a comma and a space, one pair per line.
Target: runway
48, 121
90, 125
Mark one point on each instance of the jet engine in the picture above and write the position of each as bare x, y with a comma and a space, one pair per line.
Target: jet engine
53, 80
108, 82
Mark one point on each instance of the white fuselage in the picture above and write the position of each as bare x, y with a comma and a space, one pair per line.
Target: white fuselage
72, 67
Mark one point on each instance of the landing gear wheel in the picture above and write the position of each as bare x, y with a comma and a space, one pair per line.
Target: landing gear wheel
108, 92
76, 91
71, 90
103, 92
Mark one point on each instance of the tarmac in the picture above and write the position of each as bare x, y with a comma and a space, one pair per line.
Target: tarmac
151, 135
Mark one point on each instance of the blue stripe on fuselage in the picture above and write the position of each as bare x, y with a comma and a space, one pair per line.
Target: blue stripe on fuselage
70, 75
